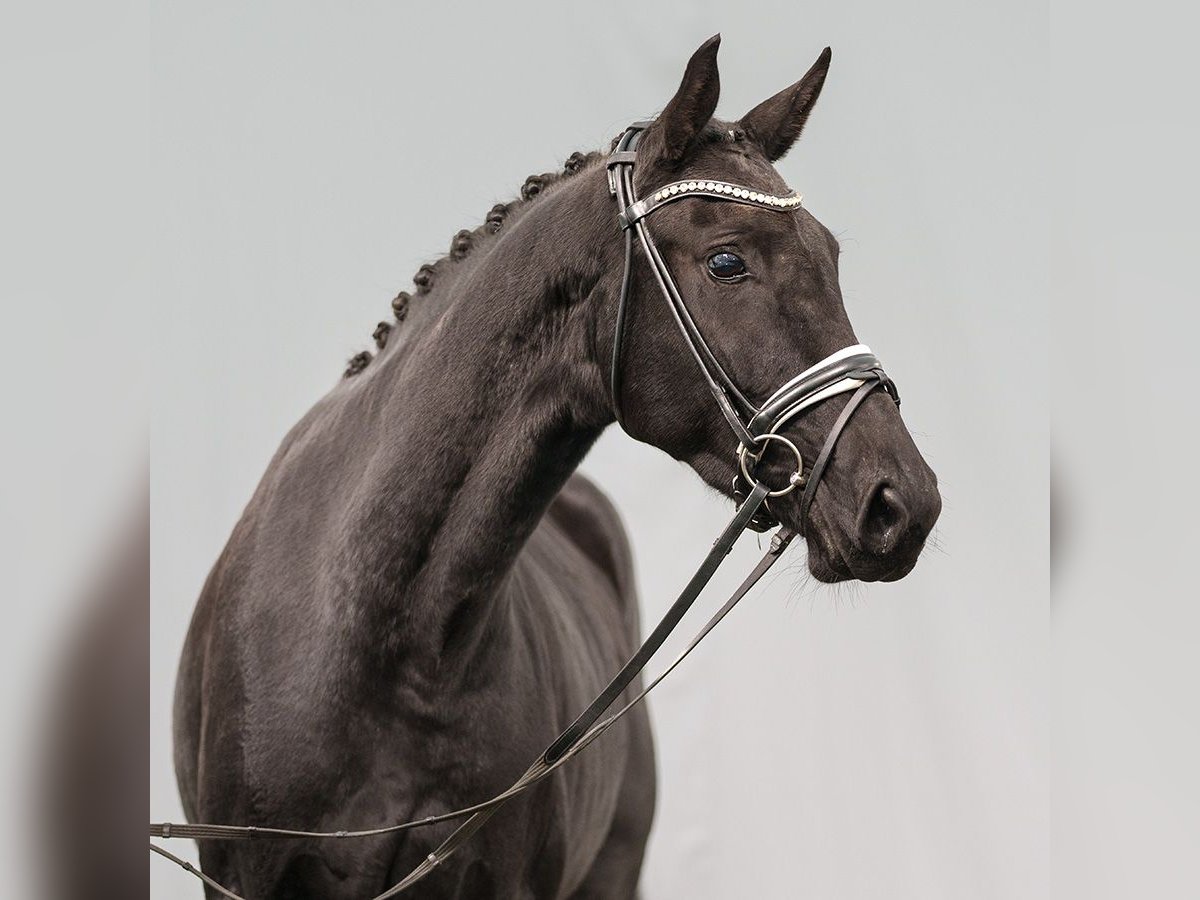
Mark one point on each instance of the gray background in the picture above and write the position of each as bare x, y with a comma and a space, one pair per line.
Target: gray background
860, 741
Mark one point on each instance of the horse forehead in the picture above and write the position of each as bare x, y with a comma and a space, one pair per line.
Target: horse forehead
739, 163
810, 228
775, 226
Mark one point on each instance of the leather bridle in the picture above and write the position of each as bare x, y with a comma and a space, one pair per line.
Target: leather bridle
851, 369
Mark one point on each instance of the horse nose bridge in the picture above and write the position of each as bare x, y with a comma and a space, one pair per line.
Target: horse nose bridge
877, 451
897, 498
877, 443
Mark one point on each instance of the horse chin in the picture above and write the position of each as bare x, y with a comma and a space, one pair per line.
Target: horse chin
830, 562
824, 561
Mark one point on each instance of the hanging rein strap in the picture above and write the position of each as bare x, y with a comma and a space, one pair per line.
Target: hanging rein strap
579, 735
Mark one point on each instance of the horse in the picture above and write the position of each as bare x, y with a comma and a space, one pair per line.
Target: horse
422, 591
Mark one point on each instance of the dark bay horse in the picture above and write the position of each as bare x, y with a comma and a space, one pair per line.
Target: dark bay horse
422, 593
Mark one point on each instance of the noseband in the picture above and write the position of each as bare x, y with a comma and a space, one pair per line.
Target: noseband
853, 368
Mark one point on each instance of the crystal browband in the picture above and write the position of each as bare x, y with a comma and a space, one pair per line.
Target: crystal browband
719, 189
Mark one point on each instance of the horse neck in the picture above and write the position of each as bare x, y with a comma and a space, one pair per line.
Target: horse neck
481, 417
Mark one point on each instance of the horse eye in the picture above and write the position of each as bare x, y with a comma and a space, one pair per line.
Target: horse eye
726, 266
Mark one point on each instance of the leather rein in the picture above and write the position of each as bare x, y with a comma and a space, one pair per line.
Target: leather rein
852, 369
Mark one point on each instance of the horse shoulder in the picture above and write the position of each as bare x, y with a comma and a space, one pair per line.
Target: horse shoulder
589, 518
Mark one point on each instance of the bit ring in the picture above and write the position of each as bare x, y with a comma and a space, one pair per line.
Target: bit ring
795, 480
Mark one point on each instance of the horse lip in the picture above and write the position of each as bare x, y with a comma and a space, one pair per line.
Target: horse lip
826, 561
879, 569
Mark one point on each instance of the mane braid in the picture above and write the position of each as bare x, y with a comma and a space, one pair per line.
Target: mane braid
463, 243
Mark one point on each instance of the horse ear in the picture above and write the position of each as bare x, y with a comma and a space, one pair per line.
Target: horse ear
776, 123
693, 104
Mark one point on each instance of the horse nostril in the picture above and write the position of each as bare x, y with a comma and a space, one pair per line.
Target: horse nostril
884, 518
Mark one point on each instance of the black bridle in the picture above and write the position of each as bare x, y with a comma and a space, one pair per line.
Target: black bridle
853, 368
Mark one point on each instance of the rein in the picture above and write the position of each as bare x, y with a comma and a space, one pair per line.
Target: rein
853, 369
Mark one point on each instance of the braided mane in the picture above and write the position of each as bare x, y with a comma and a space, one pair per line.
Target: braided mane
461, 246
